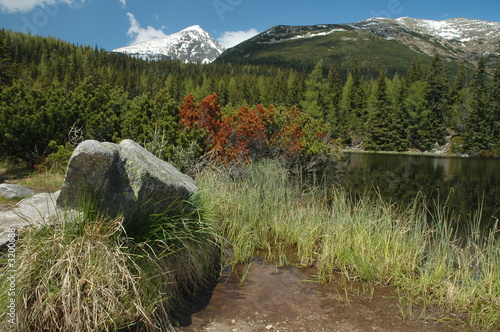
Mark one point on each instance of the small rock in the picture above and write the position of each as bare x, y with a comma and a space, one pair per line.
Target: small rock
14, 191
36, 210
269, 327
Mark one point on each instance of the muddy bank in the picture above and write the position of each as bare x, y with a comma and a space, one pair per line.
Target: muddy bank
288, 299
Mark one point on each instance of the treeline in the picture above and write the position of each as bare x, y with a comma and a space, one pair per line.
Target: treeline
53, 92
420, 110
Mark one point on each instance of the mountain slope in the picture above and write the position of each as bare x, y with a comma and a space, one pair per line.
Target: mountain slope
376, 43
192, 44
456, 38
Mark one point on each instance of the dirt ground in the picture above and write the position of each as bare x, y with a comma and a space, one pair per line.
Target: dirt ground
288, 299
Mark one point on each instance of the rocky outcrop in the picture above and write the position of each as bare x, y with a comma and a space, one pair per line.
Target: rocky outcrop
124, 179
14, 191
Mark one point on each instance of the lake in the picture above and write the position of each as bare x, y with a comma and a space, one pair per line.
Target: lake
467, 183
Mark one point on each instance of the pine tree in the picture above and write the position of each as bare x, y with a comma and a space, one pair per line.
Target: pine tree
99, 107
415, 73
432, 127
380, 127
459, 96
479, 133
294, 89
353, 107
335, 87
495, 105
316, 90
414, 113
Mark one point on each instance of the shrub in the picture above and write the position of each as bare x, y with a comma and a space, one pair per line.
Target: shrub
257, 133
58, 160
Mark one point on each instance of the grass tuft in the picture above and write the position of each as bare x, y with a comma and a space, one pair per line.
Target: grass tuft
81, 273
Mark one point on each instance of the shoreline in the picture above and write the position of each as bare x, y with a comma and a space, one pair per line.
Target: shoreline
415, 153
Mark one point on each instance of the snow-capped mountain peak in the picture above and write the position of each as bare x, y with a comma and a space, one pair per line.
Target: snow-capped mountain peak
192, 44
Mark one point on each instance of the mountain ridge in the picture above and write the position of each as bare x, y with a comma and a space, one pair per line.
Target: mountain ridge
376, 42
457, 38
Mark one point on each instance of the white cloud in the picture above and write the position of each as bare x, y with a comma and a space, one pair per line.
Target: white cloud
123, 2
140, 34
233, 38
12, 6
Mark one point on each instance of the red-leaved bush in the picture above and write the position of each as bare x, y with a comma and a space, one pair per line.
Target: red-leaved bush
253, 133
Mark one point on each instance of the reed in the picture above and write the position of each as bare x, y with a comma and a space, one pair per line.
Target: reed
267, 211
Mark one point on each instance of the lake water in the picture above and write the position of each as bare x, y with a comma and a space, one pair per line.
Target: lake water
467, 183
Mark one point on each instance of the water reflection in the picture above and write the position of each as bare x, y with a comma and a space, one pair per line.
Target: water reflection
466, 182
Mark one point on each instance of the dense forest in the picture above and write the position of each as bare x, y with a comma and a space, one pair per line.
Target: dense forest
53, 94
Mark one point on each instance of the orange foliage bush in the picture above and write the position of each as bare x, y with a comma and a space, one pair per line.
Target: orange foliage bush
253, 133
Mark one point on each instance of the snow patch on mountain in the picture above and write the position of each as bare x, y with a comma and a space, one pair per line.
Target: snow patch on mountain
317, 34
455, 38
462, 29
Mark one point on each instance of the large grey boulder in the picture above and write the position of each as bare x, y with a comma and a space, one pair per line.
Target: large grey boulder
14, 191
32, 211
124, 179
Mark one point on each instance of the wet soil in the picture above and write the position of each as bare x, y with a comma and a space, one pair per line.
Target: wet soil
289, 299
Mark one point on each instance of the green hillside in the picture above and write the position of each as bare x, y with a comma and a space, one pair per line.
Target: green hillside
340, 48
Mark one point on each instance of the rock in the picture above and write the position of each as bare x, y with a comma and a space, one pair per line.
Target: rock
36, 210
125, 179
14, 191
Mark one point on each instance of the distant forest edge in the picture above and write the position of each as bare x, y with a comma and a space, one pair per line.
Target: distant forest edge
53, 93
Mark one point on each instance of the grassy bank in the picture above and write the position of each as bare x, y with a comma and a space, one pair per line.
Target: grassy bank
84, 273
368, 240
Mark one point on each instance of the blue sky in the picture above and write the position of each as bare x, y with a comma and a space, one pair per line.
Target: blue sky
111, 24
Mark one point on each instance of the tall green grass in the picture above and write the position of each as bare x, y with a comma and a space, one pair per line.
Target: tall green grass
367, 239
85, 273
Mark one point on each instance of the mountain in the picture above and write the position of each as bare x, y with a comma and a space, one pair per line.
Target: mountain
192, 44
456, 38
376, 43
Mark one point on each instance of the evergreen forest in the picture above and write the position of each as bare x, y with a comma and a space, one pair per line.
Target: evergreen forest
54, 94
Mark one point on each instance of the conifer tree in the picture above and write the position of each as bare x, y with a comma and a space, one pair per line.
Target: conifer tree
380, 126
353, 107
414, 113
415, 73
432, 129
495, 105
294, 89
479, 132
99, 107
335, 87
315, 95
459, 96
